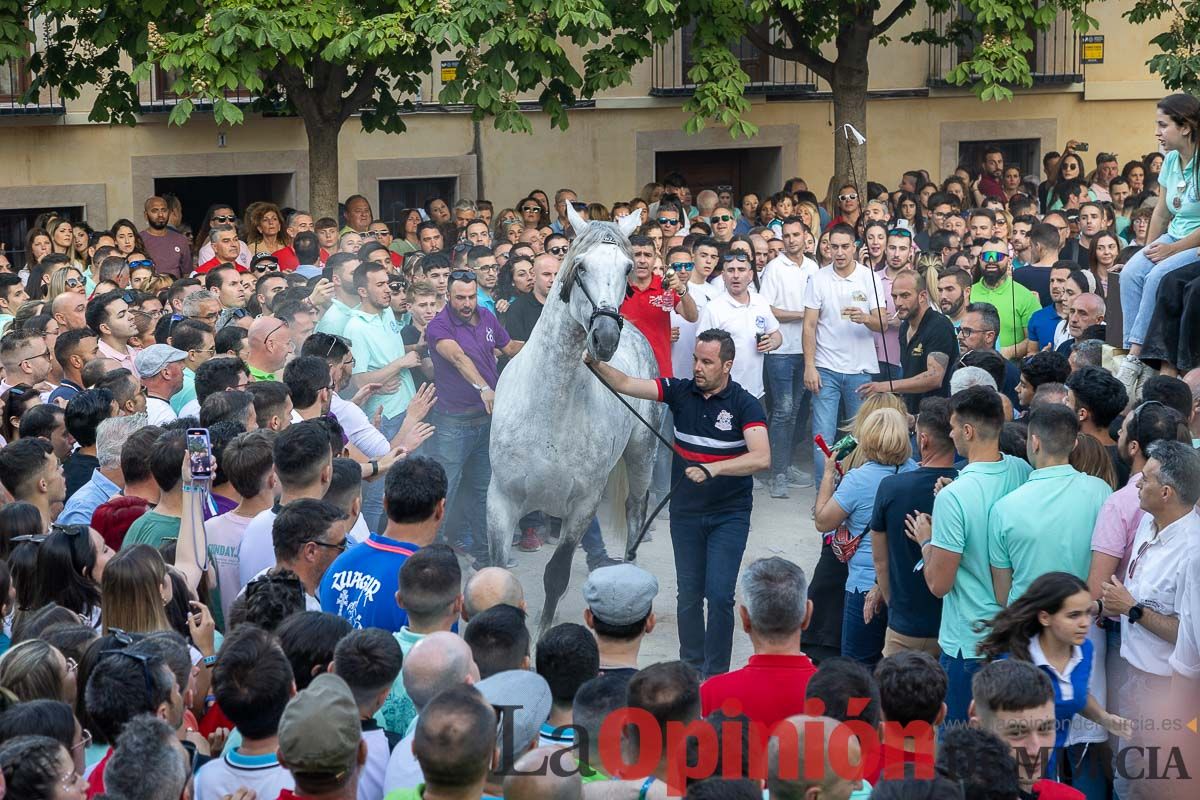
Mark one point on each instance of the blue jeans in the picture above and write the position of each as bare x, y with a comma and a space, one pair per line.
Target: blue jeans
861, 641
460, 445
1139, 287
837, 389
708, 552
785, 381
959, 672
372, 492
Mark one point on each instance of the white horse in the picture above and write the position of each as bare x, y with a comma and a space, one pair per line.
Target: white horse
557, 432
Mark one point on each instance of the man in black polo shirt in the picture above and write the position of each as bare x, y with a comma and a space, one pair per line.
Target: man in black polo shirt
720, 441
928, 344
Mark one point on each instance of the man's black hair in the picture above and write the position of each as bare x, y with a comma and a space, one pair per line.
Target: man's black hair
40, 421
166, 458
639, 240
25, 460
307, 247
498, 639
228, 340
1154, 423
1056, 426
980, 762
119, 688
430, 581
217, 375
726, 350
252, 681
413, 489
309, 640
838, 683
1010, 685
97, 308
299, 522
345, 484
1100, 392
1047, 366
85, 412
933, 417
567, 657
368, 660
188, 334
270, 399
305, 377
980, 406
68, 340
912, 687
301, 451
1166, 389
225, 406
268, 601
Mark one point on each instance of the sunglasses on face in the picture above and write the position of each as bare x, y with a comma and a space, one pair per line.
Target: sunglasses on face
580, 206
530, 209
561, 250
397, 286
720, 218
224, 218
683, 266
72, 283
992, 256
737, 255
143, 262
845, 197
265, 266
667, 221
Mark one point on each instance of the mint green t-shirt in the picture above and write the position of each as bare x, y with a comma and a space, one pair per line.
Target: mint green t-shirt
186, 393
1046, 525
151, 528
335, 318
398, 713
1009, 297
376, 341
1178, 184
960, 525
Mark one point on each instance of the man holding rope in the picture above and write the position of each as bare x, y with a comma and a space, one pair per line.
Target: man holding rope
720, 441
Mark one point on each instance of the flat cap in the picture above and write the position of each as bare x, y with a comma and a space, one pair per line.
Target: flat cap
621, 594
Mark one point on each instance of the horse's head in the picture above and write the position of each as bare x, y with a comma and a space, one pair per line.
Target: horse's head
594, 279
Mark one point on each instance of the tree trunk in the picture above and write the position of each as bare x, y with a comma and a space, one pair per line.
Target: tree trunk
322, 167
849, 87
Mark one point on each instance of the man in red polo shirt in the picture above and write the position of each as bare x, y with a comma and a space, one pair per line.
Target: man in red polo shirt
650, 300
225, 244
774, 610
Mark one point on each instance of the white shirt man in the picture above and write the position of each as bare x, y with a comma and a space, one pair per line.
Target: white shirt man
745, 317
704, 260
842, 345
783, 284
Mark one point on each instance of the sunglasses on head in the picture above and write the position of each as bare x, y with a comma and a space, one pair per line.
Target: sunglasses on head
141, 262
714, 219
900, 232
737, 255
992, 256
462, 275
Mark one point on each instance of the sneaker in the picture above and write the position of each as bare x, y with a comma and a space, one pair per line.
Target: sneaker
759, 484
799, 478
1132, 374
530, 543
779, 487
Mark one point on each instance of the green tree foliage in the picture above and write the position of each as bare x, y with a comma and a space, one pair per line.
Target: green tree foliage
1178, 62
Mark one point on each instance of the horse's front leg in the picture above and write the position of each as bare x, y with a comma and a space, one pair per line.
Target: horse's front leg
558, 569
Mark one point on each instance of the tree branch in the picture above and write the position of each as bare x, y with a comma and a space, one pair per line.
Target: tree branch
360, 94
902, 9
803, 51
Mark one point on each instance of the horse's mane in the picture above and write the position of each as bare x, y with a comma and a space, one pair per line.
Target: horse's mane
596, 233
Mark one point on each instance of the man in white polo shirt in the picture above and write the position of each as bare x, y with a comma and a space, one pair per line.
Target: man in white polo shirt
1152, 596
748, 320
841, 311
784, 282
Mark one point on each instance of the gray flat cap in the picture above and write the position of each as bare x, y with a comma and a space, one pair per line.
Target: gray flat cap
621, 594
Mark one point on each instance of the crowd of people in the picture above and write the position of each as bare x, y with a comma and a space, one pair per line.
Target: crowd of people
1006, 493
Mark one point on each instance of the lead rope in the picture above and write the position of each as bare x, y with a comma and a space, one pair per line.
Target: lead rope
631, 550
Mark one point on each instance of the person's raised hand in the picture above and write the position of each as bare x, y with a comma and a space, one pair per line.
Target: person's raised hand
421, 403
201, 628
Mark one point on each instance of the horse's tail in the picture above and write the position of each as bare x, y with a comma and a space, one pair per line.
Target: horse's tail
612, 505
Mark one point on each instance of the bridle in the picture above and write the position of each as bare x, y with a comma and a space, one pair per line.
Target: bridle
598, 309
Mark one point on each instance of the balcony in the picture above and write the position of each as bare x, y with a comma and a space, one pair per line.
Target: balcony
15, 82
770, 76
1055, 58
155, 95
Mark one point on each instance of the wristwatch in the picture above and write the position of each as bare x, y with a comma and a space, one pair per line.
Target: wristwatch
1135, 614
481, 387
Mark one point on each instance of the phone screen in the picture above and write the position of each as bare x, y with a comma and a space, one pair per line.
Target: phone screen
199, 453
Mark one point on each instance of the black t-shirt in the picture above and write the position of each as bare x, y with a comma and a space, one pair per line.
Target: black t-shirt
1076, 252
523, 313
410, 335
709, 429
935, 334
78, 470
1119, 465
913, 610
1035, 279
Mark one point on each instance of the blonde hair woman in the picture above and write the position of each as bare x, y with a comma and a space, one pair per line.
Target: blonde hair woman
134, 591
812, 217
35, 670
67, 279
845, 510
62, 238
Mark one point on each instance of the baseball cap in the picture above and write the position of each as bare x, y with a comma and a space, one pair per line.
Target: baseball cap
152, 359
621, 594
525, 695
320, 729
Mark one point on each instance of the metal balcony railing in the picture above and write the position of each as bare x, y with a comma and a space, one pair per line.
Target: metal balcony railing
16, 79
672, 61
1055, 58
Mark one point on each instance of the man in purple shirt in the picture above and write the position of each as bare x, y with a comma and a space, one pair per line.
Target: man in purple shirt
168, 249
463, 340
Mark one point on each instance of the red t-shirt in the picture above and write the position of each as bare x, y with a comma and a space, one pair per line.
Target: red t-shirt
213, 263
96, 779
288, 262
650, 310
770, 688
1046, 789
